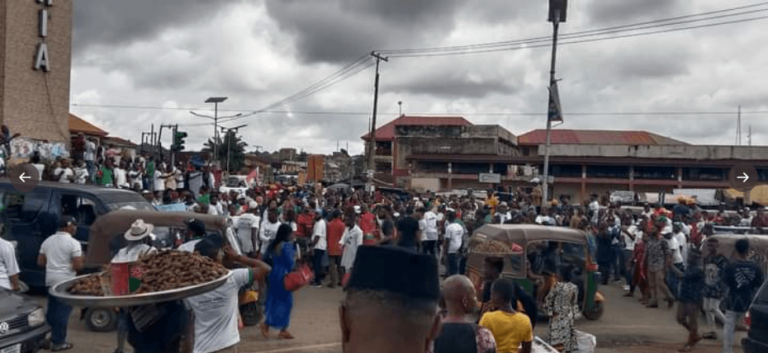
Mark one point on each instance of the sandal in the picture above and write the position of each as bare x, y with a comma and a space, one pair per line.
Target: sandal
61, 347
285, 335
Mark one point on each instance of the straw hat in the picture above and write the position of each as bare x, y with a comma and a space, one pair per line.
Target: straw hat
139, 230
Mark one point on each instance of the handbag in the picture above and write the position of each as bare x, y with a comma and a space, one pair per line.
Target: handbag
298, 278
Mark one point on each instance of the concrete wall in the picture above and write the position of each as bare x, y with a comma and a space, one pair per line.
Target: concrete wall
35, 103
424, 184
666, 152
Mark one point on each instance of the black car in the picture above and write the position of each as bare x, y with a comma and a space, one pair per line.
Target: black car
31, 217
22, 324
757, 337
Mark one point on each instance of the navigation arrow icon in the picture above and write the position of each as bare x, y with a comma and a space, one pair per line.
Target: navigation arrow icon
22, 177
745, 177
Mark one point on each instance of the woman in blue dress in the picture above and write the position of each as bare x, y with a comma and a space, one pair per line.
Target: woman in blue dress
282, 251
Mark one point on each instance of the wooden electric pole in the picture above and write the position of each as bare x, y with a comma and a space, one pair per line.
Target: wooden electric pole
372, 135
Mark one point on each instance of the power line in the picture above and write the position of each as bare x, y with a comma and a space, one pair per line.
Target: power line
593, 32
304, 112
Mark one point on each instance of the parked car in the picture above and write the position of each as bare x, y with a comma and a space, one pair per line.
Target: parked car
31, 217
757, 320
22, 323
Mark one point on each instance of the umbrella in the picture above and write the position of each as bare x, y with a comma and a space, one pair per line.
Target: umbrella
339, 186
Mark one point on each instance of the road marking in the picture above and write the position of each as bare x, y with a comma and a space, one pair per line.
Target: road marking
293, 349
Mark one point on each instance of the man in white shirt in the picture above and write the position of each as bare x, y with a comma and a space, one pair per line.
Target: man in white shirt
63, 173
216, 312
9, 268
594, 209
676, 259
195, 233
682, 240
62, 257
454, 233
248, 230
268, 230
429, 243
503, 213
89, 156
319, 247
81, 173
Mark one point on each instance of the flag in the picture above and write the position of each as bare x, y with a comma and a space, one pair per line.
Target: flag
555, 111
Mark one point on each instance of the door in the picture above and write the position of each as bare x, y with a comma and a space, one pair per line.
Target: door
80, 206
28, 224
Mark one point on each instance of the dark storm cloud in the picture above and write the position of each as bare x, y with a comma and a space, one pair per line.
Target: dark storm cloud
119, 22
454, 86
631, 11
341, 30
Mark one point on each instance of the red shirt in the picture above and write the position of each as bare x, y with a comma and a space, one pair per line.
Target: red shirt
305, 224
368, 226
334, 233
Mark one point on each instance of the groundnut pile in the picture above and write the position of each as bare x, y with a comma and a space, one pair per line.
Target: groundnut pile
493, 247
165, 270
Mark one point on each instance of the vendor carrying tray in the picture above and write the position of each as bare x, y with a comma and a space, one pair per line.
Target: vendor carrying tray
60, 291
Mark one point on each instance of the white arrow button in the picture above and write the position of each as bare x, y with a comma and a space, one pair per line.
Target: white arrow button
745, 177
22, 177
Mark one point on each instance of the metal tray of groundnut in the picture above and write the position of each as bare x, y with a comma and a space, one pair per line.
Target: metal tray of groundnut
61, 291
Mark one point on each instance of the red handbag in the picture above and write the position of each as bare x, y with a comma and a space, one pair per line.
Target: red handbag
298, 278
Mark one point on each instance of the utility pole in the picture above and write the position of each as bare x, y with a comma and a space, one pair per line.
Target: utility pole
229, 136
372, 135
749, 135
738, 127
557, 14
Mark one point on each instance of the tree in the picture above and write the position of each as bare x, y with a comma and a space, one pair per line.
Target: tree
233, 146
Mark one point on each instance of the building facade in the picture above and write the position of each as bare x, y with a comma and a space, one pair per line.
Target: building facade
35, 60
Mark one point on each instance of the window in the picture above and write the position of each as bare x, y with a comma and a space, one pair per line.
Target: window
613, 172
80, 207
668, 173
566, 171
21, 207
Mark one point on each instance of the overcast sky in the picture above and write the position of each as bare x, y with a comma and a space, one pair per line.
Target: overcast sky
176, 53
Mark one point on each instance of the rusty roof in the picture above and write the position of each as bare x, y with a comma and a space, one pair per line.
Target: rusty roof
78, 125
387, 131
119, 141
596, 137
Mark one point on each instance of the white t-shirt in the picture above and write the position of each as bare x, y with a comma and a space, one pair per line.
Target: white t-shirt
179, 178
132, 254
40, 169
122, 178
90, 151
629, 244
245, 226
59, 250
454, 233
683, 242
320, 232
159, 182
267, 233
674, 247
81, 176
189, 246
503, 217
430, 226
63, 174
8, 264
216, 314
594, 207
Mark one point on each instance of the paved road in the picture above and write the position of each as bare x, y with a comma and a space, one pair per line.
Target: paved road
626, 326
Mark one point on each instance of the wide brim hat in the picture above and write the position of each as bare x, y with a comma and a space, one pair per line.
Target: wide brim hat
139, 230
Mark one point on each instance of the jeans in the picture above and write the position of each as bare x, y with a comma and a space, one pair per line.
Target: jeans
731, 318
627, 266
673, 282
453, 264
463, 265
658, 287
620, 265
317, 264
57, 317
91, 168
429, 247
605, 270
713, 313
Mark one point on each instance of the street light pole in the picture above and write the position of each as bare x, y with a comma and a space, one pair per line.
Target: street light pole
557, 14
229, 136
215, 101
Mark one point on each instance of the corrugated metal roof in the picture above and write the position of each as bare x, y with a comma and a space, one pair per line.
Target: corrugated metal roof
387, 132
596, 137
77, 125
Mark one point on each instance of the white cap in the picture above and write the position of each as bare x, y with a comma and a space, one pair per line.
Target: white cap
253, 205
357, 209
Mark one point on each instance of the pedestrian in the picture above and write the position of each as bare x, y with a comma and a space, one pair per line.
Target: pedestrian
64, 173
510, 328
268, 231
430, 232
714, 265
319, 248
282, 253
493, 267
605, 253
336, 230
247, 227
61, 256
742, 279
690, 298
121, 176
351, 240
459, 333
656, 252
562, 306
81, 173
89, 156
390, 304
195, 233
454, 234
675, 263
9, 267
106, 177
368, 225
408, 230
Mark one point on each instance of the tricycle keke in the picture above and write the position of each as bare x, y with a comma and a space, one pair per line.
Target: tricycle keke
532, 255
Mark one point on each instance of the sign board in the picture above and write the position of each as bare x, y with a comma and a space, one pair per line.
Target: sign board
490, 178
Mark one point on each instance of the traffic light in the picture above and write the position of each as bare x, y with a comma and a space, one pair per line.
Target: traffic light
178, 141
